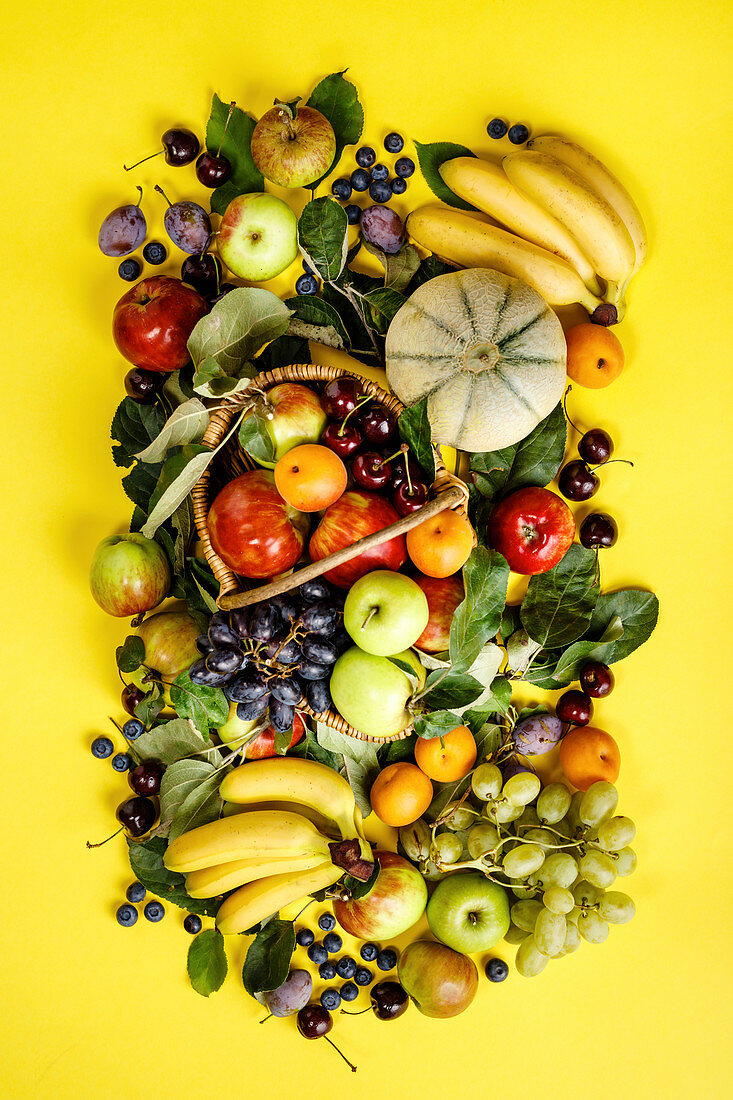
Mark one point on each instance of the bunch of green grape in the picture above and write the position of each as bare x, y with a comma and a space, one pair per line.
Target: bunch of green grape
558, 857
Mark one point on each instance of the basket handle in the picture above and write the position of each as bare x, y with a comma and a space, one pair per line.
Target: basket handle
448, 498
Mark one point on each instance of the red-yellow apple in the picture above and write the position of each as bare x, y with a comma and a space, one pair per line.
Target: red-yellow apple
354, 516
129, 574
440, 981
444, 594
293, 152
153, 321
253, 530
395, 902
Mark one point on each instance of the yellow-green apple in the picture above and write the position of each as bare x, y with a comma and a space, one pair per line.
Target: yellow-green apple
354, 515
533, 528
441, 982
443, 594
236, 731
129, 574
371, 692
293, 151
395, 902
293, 415
257, 236
468, 912
385, 612
252, 529
170, 642
152, 322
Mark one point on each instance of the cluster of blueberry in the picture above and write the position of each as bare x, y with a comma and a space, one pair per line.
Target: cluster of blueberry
374, 177
102, 749
153, 911
517, 134
344, 967
154, 253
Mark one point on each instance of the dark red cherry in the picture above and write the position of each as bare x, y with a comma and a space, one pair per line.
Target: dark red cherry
131, 696
202, 273
596, 679
340, 397
146, 777
400, 475
371, 470
212, 169
137, 815
577, 482
389, 1000
143, 385
314, 1021
180, 146
377, 424
344, 439
596, 447
407, 500
574, 707
598, 531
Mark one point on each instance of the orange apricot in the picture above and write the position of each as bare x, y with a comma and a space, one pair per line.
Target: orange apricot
310, 477
442, 544
588, 754
401, 794
595, 355
448, 758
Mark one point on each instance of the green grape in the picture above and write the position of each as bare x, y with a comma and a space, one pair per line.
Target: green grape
573, 815
503, 812
481, 839
529, 817
486, 781
597, 868
431, 872
525, 913
625, 862
522, 861
549, 933
515, 934
572, 916
572, 938
598, 803
585, 893
559, 869
616, 908
460, 817
553, 803
447, 848
558, 900
543, 837
563, 828
415, 839
615, 834
530, 961
592, 928
521, 789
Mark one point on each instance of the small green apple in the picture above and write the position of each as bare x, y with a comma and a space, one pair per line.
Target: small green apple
294, 415
257, 237
371, 692
293, 149
441, 982
468, 912
235, 730
385, 612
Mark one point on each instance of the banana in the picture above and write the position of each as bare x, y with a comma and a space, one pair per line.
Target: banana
266, 834
251, 903
469, 240
324, 824
603, 181
301, 783
486, 185
592, 220
222, 877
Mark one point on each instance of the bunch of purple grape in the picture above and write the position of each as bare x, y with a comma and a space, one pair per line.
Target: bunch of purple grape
276, 655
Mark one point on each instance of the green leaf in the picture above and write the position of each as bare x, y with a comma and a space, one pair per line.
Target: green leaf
396, 751
179, 780
283, 352
501, 690
477, 618
309, 749
131, 654
361, 773
638, 611
323, 237
139, 485
431, 157
559, 604
429, 269
414, 429
179, 487
319, 321
211, 381
200, 806
282, 740
408, 669
436, 724
207, 962
520, 649
200, 586
268, 958
568, 667
134, 426
172, 741
533, 461
451, 691
383, 303
255, 439
337, 99
182, 521
488, 738
146, 861
238, 327
237, 148
186, 424
150, 707
205, 706
509, 621
399, 267
540, 672
358, 889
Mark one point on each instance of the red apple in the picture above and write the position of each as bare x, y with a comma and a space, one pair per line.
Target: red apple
293, 152
253, 530
442, 982
129, 574
395, 902
170, 642
264, 743
153, 321
444, 594
355, 515
533, 529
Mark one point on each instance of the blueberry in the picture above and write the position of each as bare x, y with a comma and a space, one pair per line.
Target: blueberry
308, 269
518, 133
135, 892
365, 156
102, 747
192, 924
404, 167
129, 270
341, 189
387, 959
346, 967
332, 942
353, 213
155, 253
304, 937
369, 952
380, 192
327, 970
380, 172
496, 970
154, 911
306, 284
330, 999
363, 976
496, 128
317, 953
349, 992
360, 179
398, 185
132, 729
393, 143
127, 915
326, 922
122, 762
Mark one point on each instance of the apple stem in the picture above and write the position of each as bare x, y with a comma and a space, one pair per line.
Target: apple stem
342, 1055
372, 612
130, 168
232, 105
118, 831
159, 188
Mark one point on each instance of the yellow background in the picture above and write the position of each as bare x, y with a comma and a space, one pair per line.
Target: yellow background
91, 1010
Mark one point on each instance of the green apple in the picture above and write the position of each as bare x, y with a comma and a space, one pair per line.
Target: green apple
385, 612
468, 912
129, 574
293, 415
257, 237
441, 982
235, 730
371, 692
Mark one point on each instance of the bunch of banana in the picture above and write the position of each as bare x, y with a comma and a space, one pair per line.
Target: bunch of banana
565, 222
271, 852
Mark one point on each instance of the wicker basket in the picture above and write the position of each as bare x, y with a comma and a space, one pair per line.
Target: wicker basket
447, 492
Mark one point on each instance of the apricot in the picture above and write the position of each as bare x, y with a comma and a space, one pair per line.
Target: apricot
448, 758
595, 355
588, 754
401, 794
442, 544
310, 477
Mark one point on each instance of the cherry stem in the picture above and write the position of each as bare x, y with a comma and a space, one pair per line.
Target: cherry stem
342, 1055
117, 726
232, 105
610, 460
160, 153
90, 845
269, 1015
140, 199
359, 402
402, 451
159, 188
346, 1012
407, 474
565, 410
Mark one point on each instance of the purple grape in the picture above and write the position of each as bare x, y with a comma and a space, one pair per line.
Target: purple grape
384, 228
292, 995
122, 231
537, 735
